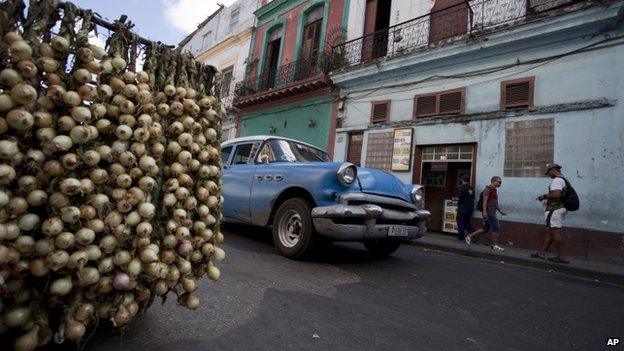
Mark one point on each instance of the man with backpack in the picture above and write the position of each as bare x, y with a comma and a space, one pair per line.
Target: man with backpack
488, 205
560, 199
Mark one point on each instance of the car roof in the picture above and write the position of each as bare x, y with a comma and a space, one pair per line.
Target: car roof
263, 138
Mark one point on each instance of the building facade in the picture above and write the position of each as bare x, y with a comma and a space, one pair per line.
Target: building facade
223, 40
432, 91
287, 90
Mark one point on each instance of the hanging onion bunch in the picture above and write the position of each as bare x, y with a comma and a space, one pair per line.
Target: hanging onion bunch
109, 178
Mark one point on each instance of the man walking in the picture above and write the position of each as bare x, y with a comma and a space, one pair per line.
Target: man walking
490, 206
465, 205
554, 215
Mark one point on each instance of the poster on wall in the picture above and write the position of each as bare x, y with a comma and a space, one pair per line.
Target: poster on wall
449, 222
402, 150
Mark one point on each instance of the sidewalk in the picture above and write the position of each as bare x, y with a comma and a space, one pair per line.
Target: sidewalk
578, 267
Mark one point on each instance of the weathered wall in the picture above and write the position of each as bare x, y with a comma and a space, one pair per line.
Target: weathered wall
588, 143
291, 120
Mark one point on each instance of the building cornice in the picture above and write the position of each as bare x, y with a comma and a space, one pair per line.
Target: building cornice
270, 7
225, 44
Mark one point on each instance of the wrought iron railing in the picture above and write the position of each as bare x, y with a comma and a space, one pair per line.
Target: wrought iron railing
466, 18
284, 75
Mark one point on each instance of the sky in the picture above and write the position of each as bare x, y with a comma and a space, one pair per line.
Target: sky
167, 21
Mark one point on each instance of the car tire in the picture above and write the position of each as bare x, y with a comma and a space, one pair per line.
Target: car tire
294, 235
382, 247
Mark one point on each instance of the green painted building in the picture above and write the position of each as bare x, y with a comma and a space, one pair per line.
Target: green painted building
287, 91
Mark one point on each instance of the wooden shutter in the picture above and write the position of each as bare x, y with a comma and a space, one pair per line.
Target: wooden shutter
380, 111
355, 148
517, 93
451, 102
448, 102
449, 18
426, 105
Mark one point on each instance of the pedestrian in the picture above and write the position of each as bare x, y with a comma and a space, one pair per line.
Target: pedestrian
554, 215
465, 206
490, 207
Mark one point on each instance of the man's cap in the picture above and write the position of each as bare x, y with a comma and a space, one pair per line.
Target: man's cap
552, 166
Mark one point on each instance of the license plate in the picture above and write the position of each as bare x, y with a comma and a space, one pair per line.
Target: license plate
397, 231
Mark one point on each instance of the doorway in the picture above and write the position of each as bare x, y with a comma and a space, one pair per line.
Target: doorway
377, 18
449, 18
354, 153
441, 168
272, 59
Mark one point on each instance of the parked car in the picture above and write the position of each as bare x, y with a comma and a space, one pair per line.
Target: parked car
294, 188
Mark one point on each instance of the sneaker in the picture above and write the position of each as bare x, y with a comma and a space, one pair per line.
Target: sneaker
537, 255
497, 248
468, 241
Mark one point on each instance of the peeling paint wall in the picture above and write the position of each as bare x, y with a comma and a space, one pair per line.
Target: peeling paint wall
589, 143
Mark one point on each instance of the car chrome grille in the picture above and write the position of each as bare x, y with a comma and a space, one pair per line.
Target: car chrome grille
382, 201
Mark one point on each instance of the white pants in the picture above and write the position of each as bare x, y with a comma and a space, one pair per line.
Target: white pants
556, 219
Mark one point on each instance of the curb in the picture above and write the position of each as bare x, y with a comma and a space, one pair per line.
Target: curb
584, 272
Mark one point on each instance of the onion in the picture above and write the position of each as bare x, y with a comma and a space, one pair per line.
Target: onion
23, 94
81, 114
7, 174
97, 225
59, 200
99, 176
122, 258
20, 119
10, 77
170, 241
77, 259
29, 222
17, 206
70, 186
57, 259
69, 161
147, 210
52, 226
144, 229
84, 312
85, 236
44, 246
12, 231
93, 252
134, 267
192, 302
62, 142
122, 282
28, 341
81, 76
160, 288
87, 187
213, 272
17, 317
148, 255
218, 254
74, 331
8, 149
88, 276
46, 134
189, 284
106, 265
6, 103
60, 44
64, 240
185, 247
80, 134
39, 267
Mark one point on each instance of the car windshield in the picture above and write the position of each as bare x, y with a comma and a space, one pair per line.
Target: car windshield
290, 151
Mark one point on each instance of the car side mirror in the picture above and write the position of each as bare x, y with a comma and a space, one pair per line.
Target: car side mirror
264, 159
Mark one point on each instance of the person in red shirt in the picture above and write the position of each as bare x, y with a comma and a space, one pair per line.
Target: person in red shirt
490, 221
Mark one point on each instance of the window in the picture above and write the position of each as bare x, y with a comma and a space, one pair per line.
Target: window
529, 146
450, 102
234, 18
459, 153
225, 154
243, 153
517, 93
380, 110
379, 150
226, 81
266, 153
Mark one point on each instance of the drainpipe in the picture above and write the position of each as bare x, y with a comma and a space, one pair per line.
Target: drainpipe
467, 2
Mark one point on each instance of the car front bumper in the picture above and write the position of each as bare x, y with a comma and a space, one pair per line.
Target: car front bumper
368, 221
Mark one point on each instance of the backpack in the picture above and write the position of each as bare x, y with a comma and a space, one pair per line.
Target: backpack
570, 199
480, 202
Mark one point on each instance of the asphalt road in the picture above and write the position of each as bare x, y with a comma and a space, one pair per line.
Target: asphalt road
347, 300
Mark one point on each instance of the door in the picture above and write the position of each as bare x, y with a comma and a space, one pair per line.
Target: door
376, 18
272, 60
310, 49
354, 153
449, 18
238, 176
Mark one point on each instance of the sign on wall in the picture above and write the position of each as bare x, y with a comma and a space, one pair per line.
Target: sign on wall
449, 222
402, 150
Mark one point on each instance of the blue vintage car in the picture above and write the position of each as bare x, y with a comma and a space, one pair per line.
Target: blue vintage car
294, 188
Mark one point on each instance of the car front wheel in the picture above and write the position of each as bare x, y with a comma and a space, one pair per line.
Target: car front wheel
293, 231
382, 247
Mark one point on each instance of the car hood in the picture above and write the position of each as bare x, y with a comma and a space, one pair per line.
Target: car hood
374, 181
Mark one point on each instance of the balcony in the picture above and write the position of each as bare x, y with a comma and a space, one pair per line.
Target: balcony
296, 77
466, 19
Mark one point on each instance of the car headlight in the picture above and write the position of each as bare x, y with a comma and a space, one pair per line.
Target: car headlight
418, 194
347, 173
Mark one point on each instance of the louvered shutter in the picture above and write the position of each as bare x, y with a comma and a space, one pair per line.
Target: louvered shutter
451, 103
426, 105
517, 93
380, 112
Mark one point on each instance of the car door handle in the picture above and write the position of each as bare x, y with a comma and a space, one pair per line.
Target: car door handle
278, 178
259, 178
268, 178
